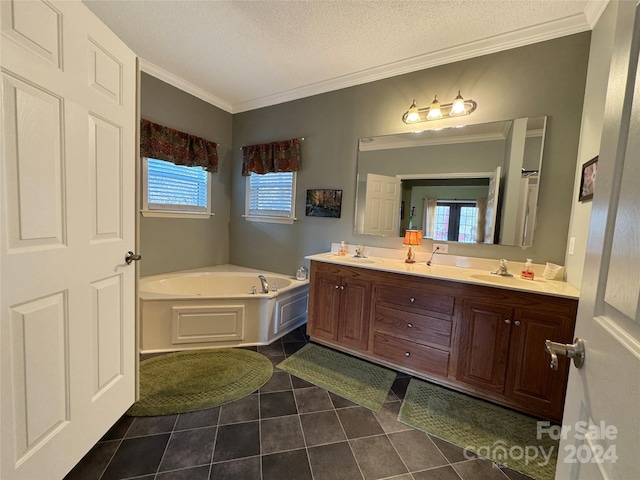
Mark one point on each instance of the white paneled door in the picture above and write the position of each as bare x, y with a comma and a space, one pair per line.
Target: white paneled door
67, 220
601, 424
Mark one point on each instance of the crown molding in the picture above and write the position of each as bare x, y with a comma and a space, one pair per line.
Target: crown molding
539, 33
174, 80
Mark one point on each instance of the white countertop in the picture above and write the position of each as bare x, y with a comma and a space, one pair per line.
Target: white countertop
475, 276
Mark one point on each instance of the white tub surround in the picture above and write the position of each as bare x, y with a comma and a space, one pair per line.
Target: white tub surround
214, 307
450, 267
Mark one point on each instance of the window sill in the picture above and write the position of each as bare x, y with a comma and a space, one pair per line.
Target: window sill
286, 220
167, 214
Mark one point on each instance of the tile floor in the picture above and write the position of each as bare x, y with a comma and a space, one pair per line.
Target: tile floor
288, 430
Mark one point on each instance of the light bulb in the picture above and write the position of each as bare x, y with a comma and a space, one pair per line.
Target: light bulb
457, 108
413, 115
434, 110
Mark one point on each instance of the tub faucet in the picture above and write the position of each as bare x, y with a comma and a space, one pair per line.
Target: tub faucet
502, 269
265, 285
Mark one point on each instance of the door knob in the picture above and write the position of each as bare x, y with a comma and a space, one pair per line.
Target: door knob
131, 257
573, 350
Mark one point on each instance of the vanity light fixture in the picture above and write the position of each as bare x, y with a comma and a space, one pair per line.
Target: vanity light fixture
411, 237
436, 110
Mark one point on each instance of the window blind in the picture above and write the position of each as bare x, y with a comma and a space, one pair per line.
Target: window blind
176, 186
271, 194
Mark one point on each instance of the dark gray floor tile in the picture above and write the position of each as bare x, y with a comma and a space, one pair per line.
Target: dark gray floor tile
280, 434
417, 450
294, 336
313, 399
388, 417
189, 448
513, 475
479, 469
453, 453
278, 382
359, 422
292, 347
298, 382
440, 473
399, 386
341, 402
280, 466
277, 404
334, 462
276, 360
142, 426
377, 458
273, 350
137, 456
195, 473
238, 440
243, 469
119, 429
244, 410
94, 463
322, 427
201, 418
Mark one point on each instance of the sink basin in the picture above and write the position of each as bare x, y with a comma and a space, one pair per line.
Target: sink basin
515, 282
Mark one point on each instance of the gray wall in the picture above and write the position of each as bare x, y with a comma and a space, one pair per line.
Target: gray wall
542, 79
170, 244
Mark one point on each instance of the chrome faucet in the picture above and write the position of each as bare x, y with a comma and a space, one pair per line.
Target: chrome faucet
502, 269
265, 285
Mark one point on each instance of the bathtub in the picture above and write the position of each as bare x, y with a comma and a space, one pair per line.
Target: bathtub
215, 307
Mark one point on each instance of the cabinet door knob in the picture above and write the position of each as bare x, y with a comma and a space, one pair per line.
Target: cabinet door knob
341, 287
517, 323
409, 325
412, 300
337, 286
407, 354
507, 321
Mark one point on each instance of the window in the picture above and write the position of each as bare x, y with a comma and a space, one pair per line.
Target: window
271, 197
456, 221
175, 190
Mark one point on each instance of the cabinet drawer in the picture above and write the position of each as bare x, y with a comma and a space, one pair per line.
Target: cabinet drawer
418, 299
412, 326
411, 355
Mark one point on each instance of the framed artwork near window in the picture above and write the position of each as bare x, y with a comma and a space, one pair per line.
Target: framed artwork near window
323, 202
588, 180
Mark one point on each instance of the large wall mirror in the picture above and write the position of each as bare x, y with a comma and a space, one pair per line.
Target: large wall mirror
473, 184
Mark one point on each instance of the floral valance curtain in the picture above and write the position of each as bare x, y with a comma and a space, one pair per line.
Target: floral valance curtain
264, 158
164, 143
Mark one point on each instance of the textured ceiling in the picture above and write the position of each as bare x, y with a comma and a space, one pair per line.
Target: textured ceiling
241, 55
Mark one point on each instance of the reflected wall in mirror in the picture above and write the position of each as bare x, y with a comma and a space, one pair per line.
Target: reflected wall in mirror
472, 184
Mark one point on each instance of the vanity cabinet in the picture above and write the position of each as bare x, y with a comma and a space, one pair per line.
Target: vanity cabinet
482, 340
339, 306
501, 351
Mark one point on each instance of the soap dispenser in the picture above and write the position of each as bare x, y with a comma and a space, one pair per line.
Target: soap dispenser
527, 273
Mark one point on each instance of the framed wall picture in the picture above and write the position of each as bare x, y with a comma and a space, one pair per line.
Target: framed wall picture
588, 179
323, 202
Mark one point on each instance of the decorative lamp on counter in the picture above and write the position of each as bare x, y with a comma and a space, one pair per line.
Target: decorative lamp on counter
411, 238
436, 110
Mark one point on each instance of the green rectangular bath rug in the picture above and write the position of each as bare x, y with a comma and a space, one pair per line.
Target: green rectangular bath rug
499, 434
356, 380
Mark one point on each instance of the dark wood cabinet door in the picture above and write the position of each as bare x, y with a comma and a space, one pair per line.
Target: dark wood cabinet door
530, 381
484, 345
355, 305
324, 303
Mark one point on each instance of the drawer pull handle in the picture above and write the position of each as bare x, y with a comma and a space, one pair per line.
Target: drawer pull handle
517, 323
407, 354
412, 300
507, 321
409, 325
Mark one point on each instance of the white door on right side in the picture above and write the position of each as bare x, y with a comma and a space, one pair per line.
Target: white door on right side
602, 408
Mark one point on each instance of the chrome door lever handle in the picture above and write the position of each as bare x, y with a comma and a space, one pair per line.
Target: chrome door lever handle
573, 350
131, 257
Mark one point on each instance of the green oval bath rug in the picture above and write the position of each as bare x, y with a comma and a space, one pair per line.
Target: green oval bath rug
198, 379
